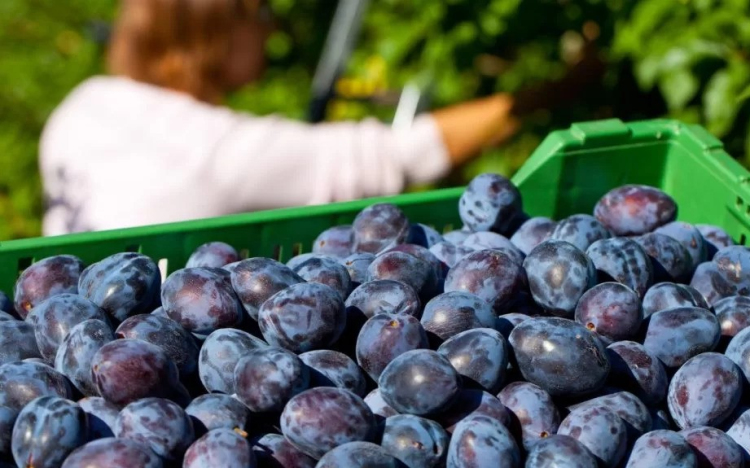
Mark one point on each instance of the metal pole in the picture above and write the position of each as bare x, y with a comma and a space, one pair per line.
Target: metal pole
345, 27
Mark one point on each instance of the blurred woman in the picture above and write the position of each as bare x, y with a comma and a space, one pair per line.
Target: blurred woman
151, 143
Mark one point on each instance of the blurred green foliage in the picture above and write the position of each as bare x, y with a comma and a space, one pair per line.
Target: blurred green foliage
684, 59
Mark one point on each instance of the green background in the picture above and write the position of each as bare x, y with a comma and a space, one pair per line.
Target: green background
685, 59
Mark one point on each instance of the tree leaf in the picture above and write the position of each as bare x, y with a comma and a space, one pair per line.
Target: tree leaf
744, 94
678, 86
720, 97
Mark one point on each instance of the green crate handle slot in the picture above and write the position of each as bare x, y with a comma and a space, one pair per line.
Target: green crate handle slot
569, 171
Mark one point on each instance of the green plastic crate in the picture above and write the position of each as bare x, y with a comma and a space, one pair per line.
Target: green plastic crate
567, 174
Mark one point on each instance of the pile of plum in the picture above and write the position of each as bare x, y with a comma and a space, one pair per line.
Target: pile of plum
618, 339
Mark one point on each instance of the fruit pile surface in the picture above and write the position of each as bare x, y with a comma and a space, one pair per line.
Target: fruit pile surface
617, 338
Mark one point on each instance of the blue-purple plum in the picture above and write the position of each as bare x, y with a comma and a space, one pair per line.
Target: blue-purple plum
423, 254
667, 295
17, 341
739, 430
384, 297
600, 430
219, 355
480, 441
421, 234
303, 317
220, 448
416, 441
490, 275
257, 279
449, 254
47, 430
378, 227
7, 420
558, 274
217, 411
265, 379
532, 233
378, 406
581, 230
559, 355
675, 335
716, 238
457, 236
713, 448
167, 334
535, 416
54, 318
127, 370
101, 417
201, 300
471, 402
46, 278
507, 322
623, 260
23, 381
628, 407
326, 271
733, 314
337, 241
384, 337
347, 419
212, 255
330, 368
122, 284
421, 275
159, 423
670, 260
359, 455
611, 310
274, 451
451, 313
76, 353
690, 238
635, 209
419, 382
356, 265
662, 448
739, 351
735, 262
636, 370
480, 356
715, 283
560, 451
113, 453
704, 391
491, 202
485, 240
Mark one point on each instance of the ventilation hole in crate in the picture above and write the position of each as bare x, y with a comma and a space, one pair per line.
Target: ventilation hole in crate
296, 249
742, 239
739, 202
244, 253
133, 248
24, 263
747, 210
163, 265
447, 228
277, 251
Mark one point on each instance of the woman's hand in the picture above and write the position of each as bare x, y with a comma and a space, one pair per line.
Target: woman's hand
469, 127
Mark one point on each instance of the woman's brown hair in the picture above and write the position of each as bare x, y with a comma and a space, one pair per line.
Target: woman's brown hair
177, 44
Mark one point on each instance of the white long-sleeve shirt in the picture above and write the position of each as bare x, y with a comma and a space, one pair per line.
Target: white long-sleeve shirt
119, 153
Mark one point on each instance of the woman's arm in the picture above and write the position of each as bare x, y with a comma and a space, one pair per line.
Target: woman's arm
469, 127
270, 162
